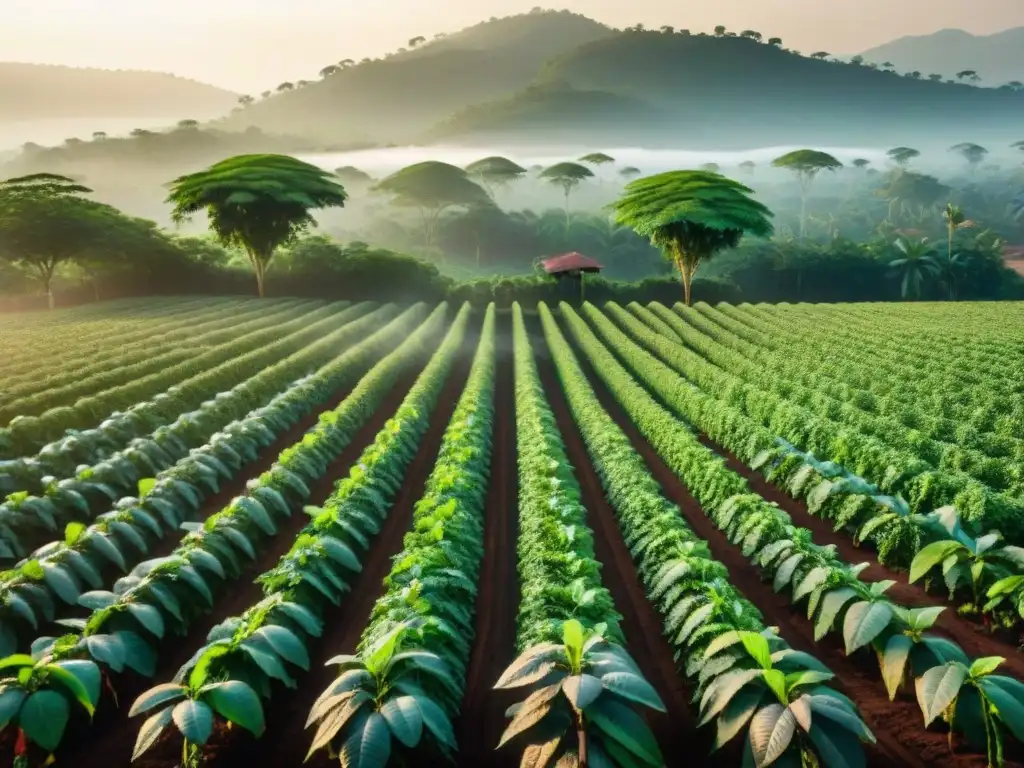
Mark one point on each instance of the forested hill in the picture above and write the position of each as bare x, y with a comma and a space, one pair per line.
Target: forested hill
396, 97
42, 91
736, 91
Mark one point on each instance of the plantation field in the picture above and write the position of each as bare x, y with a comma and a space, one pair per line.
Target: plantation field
236, 529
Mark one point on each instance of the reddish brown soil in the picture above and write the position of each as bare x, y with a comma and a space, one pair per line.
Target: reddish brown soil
680, 741
902, 739
111, 739
482, 718
967, 634
286, 739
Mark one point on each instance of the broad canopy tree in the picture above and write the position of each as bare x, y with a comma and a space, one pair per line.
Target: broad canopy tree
902, 155
691, 216
257, 202
432, 187
568, 176
45, 222
495, 172
805, 164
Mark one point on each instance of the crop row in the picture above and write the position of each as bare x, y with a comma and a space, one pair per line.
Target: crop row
895, 472
79, 491
891, 367
835, 596
113, 429
832, 492
125, 627
40, 393
926, 428
910, 448
581, 682
399, 692
125, 534
42, 345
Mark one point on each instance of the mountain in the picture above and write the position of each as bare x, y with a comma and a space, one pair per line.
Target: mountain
43, 91
997, 58
403, 94
732, 92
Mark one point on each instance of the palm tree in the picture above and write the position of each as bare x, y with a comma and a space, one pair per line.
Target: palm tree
806, 164
955, 220
568, 176
916, 264
256, 202
691, 216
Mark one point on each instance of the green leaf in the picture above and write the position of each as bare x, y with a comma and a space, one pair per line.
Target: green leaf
11, 700
148, 616
150, 731
1011, 709
43, 717
157, 695
831, 604
864, 622
368, 744
582, 690
194, 719
930, 556
937, 688
736, 714
757, 647
61, 582
108, 650
572, 634
840, 711
81, 678
145, 485
627, 728
894, 662
237, 703
437, 722
73, 532
532, 665
985, 665
285, 644
634, 688
402, 714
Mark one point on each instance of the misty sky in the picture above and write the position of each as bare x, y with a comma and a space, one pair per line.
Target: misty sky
252, 45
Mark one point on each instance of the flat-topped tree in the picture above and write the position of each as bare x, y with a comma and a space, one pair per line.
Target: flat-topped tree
568, 176
902, 155
691, 216
711, 167
45, 222
257, 203
861, 163
349, 174
597, 158
630, 172
495, 172
806, 164
432, 187
748, 166
974, 154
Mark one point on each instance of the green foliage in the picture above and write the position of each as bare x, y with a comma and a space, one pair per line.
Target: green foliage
691, 215
256, 202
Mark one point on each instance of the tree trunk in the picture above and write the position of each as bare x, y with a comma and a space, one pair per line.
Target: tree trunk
261, 282
803, 215
568, 220
686, 273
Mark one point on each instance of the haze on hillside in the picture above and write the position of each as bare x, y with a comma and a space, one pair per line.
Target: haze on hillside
251, 45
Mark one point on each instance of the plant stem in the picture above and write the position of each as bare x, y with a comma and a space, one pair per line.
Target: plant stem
581, 738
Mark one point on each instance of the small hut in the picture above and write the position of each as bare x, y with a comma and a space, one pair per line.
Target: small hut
569, 269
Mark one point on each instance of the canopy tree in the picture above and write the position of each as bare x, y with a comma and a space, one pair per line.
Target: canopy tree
495, 172
691, 216
629, 172
567, 176
902, 155
256, 202
349, 174
806, 164
45, 222
432, 187
748, 166
711, 167
910, 190
861, 163
972, 153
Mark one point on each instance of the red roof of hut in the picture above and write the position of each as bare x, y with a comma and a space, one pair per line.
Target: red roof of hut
1013, 256
568, 262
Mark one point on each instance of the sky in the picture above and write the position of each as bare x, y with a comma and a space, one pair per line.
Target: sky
252, 45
